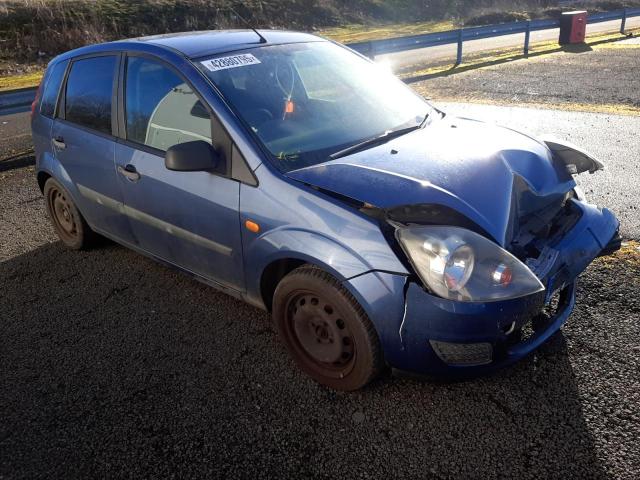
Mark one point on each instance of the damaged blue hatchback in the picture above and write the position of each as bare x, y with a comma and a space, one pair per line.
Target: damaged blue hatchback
295, 174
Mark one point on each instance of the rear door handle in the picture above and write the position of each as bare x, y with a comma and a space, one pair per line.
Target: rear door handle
129, 171
58, 142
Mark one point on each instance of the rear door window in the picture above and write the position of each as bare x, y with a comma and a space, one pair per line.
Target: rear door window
162, 110
89, 92
52, 88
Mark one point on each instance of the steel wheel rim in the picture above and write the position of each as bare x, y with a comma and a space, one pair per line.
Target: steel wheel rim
319, 335
61, 211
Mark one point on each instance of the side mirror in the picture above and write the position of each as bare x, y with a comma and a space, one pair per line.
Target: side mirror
192, 157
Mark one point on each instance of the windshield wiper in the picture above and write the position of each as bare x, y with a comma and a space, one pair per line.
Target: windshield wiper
379, 140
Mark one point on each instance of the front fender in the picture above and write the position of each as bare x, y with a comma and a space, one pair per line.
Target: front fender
339, 259
381, 294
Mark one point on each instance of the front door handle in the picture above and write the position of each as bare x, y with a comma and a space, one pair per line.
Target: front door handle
58, 142
129, 171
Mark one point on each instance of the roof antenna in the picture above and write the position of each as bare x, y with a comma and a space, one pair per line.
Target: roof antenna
262, 39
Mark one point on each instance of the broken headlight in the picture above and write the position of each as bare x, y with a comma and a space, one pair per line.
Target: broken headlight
459, 264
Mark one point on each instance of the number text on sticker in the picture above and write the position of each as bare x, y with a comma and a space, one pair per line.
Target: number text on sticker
233, 61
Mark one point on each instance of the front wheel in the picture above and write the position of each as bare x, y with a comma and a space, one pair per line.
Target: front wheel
325, 330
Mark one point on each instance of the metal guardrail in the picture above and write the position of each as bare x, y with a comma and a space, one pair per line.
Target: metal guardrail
413, 42
17, 101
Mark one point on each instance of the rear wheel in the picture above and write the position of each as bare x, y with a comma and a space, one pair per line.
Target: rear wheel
325, 330
70, 226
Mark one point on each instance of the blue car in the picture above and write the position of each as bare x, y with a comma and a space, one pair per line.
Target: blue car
293, 173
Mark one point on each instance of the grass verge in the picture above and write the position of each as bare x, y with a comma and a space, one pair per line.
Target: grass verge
13, 82
361, 33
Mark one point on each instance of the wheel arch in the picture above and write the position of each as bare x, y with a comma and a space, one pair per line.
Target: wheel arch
274, 254
272, 274
42, 178
280, 267
51, 168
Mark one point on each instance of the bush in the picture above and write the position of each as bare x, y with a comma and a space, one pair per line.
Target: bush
607, 6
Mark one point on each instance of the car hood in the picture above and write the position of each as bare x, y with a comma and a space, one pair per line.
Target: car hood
492, 175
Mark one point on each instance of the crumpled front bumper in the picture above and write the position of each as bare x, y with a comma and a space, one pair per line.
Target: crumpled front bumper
444, 337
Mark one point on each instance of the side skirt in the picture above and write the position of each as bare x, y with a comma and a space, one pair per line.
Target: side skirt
207, 281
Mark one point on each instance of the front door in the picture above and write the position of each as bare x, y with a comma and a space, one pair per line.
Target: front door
85, 147
190, 219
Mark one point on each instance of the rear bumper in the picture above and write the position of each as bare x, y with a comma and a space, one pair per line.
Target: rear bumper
436, 336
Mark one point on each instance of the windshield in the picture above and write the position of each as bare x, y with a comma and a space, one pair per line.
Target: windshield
307, 101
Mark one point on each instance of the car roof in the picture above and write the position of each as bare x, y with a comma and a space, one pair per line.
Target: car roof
198, 44
202, 43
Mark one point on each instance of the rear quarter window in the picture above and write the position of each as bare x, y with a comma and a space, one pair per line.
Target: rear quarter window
52, 88
89, 92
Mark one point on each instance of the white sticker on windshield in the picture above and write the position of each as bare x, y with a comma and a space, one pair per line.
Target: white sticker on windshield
233, 61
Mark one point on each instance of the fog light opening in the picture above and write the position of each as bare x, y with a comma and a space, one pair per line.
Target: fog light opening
463, 354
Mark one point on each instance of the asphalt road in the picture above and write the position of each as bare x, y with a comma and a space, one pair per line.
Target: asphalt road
114, 366
448, 52
15, 134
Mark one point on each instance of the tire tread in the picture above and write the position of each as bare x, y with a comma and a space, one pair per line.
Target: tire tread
313, 271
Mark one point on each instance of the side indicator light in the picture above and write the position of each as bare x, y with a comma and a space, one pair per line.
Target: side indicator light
252, 226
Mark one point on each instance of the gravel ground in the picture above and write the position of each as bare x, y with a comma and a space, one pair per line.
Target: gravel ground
607, 75
114, 366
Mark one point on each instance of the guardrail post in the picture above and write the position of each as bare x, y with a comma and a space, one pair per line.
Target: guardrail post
624, 21
459, 55
527, 36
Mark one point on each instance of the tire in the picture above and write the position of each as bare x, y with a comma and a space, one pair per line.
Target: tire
70, 225
325, 330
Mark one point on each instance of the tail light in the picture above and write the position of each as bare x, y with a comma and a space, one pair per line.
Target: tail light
34, 104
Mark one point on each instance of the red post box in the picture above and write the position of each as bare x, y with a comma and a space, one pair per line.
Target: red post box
573, 27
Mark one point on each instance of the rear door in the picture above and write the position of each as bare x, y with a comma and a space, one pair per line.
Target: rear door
42, 118
84, 142
190, 219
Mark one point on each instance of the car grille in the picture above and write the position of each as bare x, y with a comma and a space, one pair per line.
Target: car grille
536, 230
